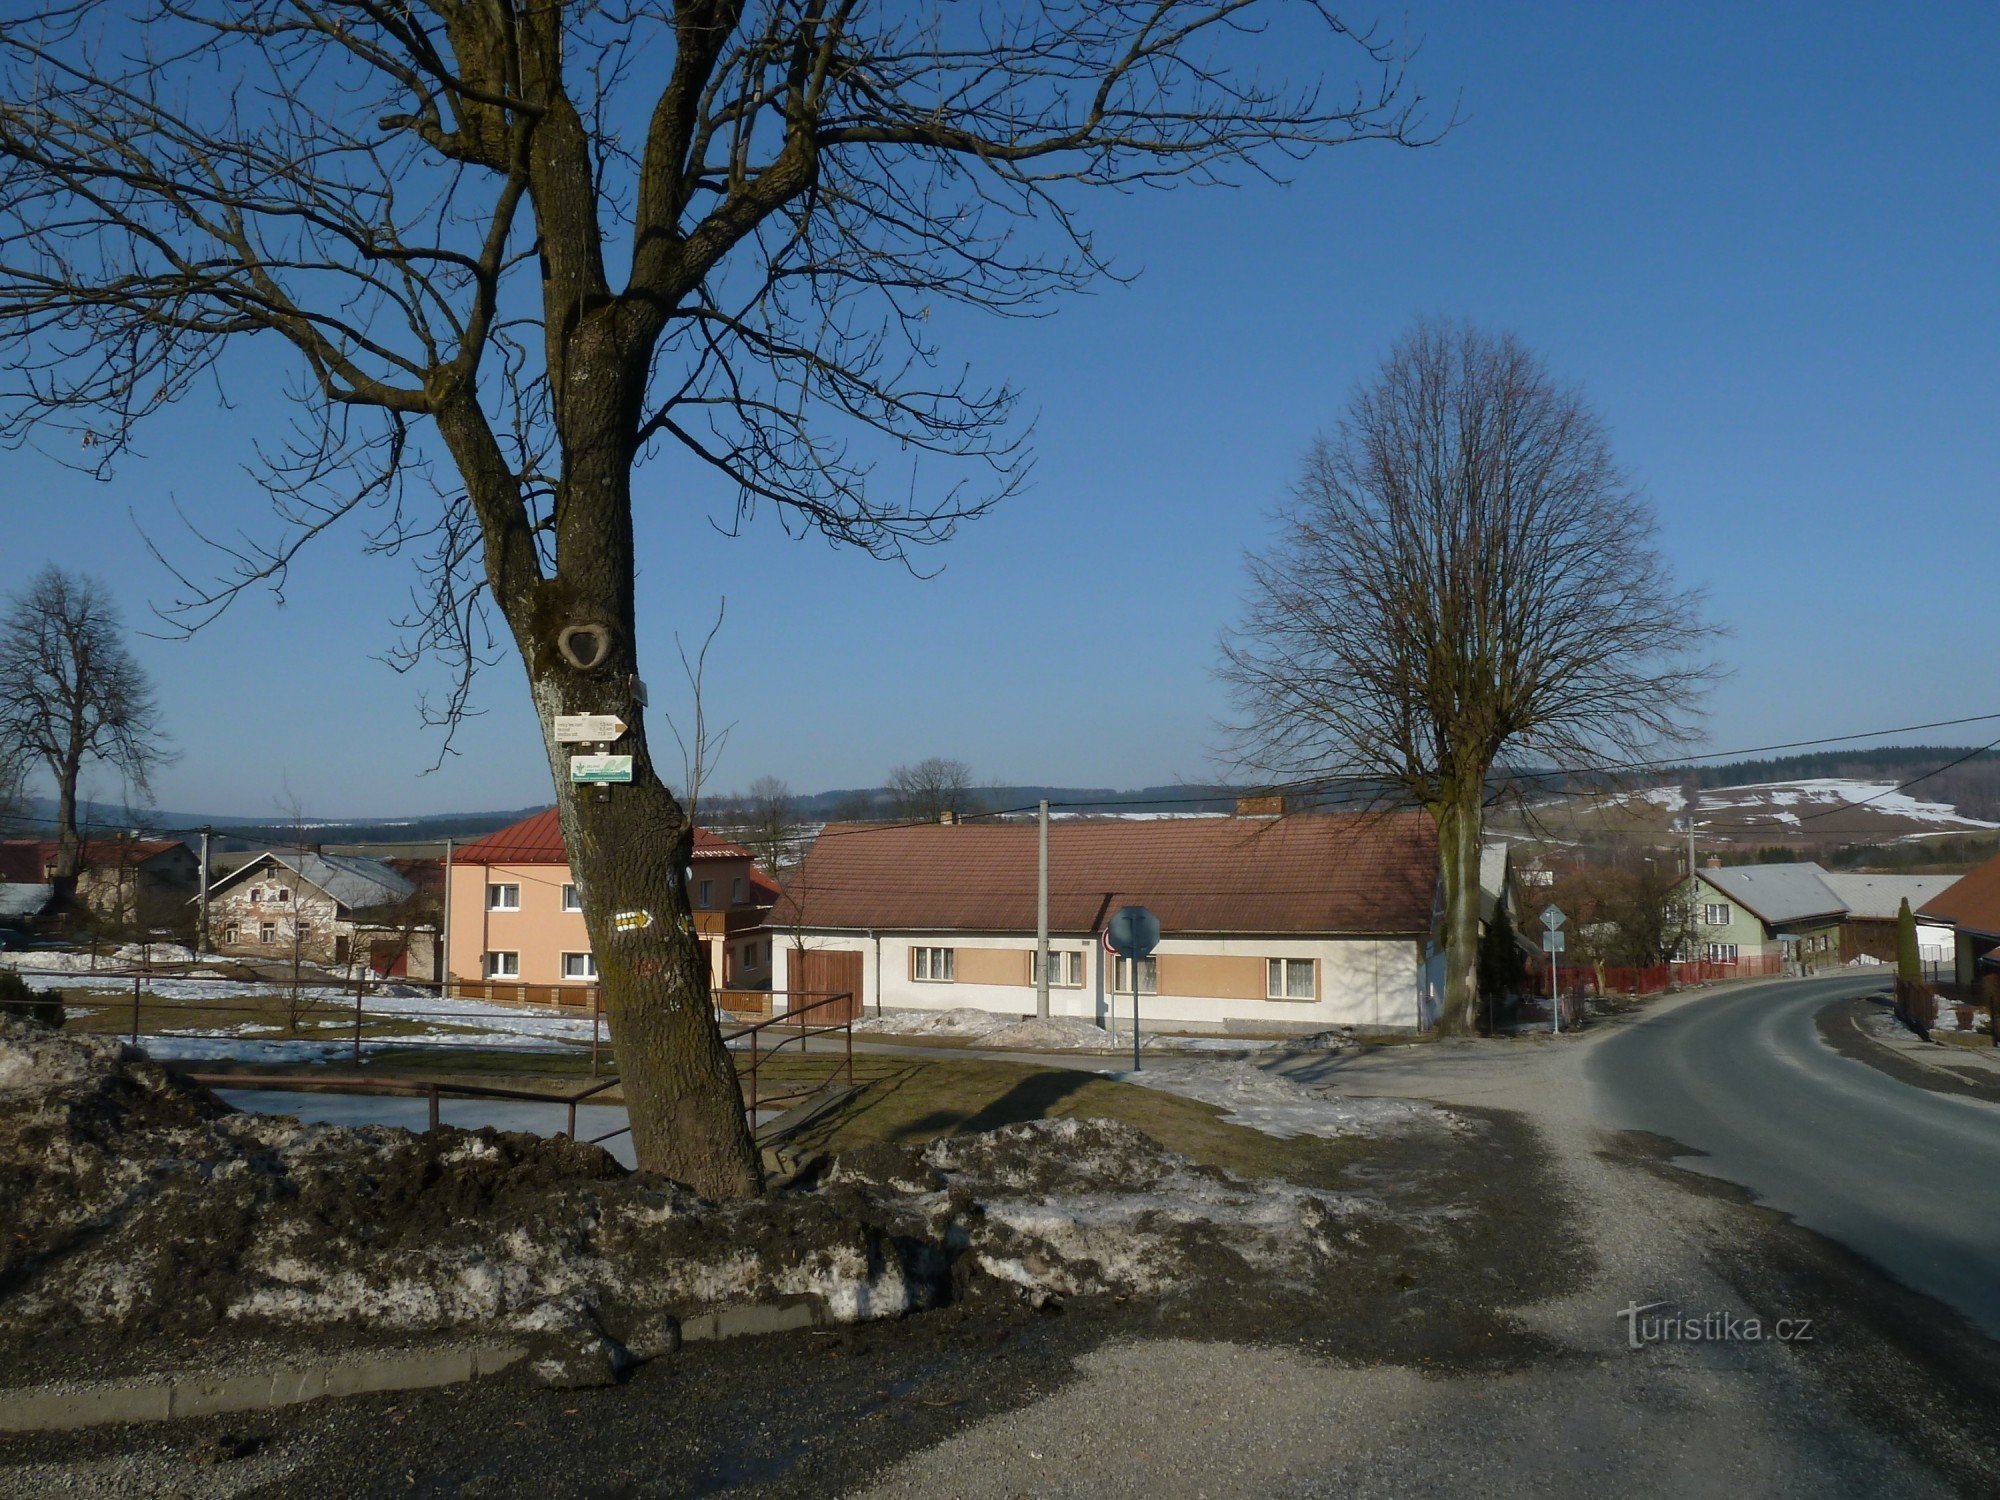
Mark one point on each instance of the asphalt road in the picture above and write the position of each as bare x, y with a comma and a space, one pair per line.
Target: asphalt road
1906, 1177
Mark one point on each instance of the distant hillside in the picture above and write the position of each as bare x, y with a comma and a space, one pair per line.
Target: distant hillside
1973, 788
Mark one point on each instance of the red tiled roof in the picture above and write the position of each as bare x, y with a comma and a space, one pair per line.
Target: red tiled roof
1973, 901
538, 840
1311, 873
26, 859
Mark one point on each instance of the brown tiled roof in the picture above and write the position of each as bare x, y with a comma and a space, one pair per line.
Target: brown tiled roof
538, 840
1972, 901
26, 859
1350, 873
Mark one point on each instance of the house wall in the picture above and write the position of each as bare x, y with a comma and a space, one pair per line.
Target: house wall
540, 932
150, 895
1751, 937
1205, 983
239, 915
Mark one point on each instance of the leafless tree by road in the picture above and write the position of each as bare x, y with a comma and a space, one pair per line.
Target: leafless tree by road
72, 697
516, 249
1463, 573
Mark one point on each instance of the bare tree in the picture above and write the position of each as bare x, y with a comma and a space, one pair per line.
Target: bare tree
72, 697
771, 823
1463, 572
934, 786
516, 248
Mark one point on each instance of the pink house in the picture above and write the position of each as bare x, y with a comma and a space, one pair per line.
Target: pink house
516, 917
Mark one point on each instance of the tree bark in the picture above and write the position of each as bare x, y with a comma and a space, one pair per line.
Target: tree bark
1460, 823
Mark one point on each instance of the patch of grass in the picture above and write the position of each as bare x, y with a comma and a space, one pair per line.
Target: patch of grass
913, 1100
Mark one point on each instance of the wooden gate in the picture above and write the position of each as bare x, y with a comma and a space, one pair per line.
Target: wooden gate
819, 972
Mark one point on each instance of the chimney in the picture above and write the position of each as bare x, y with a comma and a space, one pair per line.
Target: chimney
1263, 805
1713, 862
947, 816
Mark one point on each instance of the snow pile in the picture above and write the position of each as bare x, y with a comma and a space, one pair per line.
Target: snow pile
138, 1205
1282, 1106
966, 1024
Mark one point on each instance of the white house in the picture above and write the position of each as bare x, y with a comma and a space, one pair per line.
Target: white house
1271, 924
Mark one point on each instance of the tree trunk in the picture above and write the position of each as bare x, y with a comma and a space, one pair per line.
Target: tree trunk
629, 855
69, 845
1460, 824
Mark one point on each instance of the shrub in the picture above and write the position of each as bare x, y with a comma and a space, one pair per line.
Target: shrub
16, 999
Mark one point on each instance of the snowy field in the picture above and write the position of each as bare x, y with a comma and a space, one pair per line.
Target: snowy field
999, 1033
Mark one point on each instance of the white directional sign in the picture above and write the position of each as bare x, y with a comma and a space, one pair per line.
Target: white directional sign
1553, 918
589, 729
600, 769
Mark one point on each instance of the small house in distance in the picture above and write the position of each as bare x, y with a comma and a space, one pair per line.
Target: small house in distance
1272, 924
327, 910
1762, 917
1873, 901
1970, 907
517, 928
141, 884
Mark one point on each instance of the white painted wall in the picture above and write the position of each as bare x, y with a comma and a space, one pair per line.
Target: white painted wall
1368, 982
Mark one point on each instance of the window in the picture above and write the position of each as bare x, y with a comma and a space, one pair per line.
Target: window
1289, 979
503, 966
704, 893
571, 900
736, 891
1065, 969
256, 895
579, 966
1715, 914
303, 929
229, 934
280, 895
933, 964
267, 932
1149, 976
503, 898
1719, 953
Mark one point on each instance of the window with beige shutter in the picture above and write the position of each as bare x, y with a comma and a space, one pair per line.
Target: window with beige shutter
933, 965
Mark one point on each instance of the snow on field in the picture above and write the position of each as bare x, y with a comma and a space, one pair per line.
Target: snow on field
1280, 1105
1820, 794
1039, 1033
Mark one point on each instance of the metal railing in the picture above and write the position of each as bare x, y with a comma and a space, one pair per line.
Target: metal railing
752, 1046
432, 1089
792, 1026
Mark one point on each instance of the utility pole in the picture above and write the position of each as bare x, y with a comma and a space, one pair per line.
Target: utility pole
1694, 889
201, 939
442, 968
1042, 912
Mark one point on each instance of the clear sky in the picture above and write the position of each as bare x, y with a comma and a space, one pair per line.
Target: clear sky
1764, 239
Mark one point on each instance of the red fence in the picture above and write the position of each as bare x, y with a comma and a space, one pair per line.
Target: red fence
1656, 978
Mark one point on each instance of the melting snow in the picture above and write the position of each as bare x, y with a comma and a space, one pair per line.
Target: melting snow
1281, 1105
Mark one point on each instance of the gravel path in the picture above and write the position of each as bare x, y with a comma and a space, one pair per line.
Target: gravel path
1696, 1419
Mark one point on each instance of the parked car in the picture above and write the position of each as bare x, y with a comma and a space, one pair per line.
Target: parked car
12, 938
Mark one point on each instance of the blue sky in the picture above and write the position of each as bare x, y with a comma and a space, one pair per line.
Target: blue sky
1763, 240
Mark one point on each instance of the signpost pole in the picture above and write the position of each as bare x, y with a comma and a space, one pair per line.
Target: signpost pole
1135, 1013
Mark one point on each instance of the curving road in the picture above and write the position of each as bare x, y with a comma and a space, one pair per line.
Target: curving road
1904, 1176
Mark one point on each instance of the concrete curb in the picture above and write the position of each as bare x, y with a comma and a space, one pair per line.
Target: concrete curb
165, 1398
205, 1395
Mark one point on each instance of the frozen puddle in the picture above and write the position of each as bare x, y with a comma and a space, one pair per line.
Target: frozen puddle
1281, 1106
318, 1107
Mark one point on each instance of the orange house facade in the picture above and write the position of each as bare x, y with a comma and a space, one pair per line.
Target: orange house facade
516, 917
